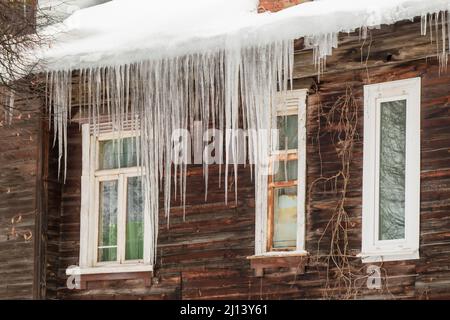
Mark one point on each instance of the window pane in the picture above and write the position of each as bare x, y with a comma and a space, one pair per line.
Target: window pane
392, 170
285, 171
285, 218
135, 220
107, 232
119, 153
288, 132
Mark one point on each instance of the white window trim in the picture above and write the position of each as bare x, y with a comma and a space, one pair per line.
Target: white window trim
89, 210
298, 97
374, 250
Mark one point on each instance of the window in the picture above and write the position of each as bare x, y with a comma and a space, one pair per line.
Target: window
285, 221
119, 203
391, 181
113, 221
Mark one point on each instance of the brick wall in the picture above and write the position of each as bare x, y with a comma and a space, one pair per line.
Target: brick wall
277, 5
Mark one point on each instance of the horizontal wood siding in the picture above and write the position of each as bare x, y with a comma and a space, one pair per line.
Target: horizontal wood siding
18, 168
51, 226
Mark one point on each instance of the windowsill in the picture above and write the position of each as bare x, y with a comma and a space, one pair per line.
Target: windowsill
86, 275
369, 257
117, 268
280, 254
294, 260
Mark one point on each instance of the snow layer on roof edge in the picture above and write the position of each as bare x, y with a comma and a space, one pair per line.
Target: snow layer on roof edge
314, 20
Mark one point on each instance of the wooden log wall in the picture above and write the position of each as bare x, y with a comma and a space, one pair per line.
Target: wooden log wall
204, 257
19, 154
51, 214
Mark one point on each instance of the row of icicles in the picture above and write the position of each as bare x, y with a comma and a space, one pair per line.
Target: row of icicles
227, 90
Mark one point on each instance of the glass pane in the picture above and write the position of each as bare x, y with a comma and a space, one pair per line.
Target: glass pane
288, 132
285, 218
107, 232
285, 171
119, 153
392, 170
134, 249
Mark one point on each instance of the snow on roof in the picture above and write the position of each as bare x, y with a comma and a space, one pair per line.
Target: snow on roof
127, 31
60, 9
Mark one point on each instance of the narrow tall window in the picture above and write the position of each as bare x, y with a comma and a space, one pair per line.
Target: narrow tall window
119, 201
283, 195
391, 190
284, 229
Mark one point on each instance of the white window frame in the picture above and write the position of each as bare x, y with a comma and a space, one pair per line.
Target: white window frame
289, 103
90, 181
374, 250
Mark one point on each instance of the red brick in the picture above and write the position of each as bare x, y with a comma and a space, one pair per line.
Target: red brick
277, 5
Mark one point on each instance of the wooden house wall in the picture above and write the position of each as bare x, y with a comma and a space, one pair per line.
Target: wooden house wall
19, 154
204, 256
50, 281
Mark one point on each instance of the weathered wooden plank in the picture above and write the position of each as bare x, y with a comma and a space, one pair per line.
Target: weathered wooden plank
18, 167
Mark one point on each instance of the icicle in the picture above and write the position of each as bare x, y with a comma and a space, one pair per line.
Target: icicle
7, 99
423, 24
431, 28
448, 30
10, 107
439, 26
322, 46
363, 32
59, 106
443, 56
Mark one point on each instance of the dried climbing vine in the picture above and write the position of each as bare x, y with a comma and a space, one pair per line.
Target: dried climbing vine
345, 276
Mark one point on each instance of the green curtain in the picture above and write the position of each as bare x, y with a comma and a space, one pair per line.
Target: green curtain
134, 246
